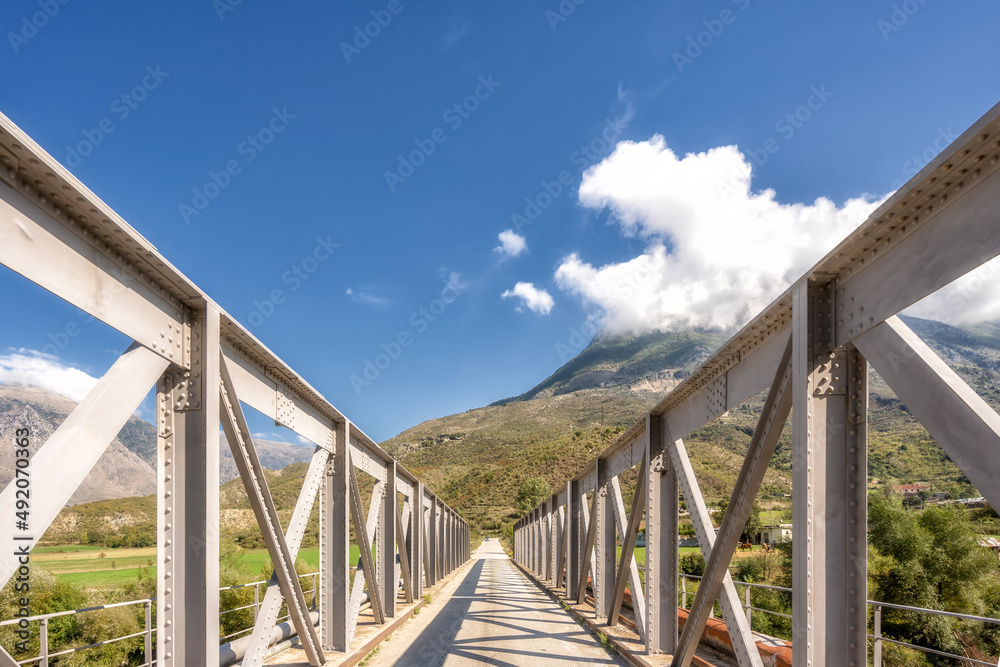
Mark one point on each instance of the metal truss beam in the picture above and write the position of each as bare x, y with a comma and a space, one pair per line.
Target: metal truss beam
252, 472
267, 617
765, 439
404, 561
363, 535
736, 622
47, 251
586, 564
627, 571
82, 438
959, 420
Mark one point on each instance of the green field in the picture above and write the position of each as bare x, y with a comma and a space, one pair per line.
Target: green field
96, 567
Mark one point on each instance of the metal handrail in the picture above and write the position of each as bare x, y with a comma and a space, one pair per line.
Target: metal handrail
876, 636
148, 631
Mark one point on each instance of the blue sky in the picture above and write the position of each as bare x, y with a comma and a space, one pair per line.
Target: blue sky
267, 148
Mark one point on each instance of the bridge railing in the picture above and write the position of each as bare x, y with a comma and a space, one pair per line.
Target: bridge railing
811, 349
875, 634
205, 367
46, 651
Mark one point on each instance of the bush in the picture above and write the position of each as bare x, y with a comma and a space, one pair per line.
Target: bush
693, 564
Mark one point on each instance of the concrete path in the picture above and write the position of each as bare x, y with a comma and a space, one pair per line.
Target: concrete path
493, 615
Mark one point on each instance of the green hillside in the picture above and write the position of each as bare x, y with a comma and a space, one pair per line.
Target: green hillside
477, 460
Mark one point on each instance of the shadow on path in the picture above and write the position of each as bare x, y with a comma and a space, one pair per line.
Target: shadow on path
497, 617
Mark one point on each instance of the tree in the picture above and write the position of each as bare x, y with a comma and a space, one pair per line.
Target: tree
750, 528
531, 493
928, 559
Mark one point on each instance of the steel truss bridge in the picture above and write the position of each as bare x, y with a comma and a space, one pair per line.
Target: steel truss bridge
204, 364
810, 350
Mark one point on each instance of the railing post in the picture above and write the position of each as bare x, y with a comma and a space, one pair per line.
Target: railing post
684, 591
43, 639
147, 656
747, 606
877, 642
256, 601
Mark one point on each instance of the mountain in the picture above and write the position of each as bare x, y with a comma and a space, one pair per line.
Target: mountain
477, 460
125, 469
128, 467
131, 522
659, 360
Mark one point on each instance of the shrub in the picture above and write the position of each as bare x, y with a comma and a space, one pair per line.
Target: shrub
693, 564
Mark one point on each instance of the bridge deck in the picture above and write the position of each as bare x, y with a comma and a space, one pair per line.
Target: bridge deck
491, 613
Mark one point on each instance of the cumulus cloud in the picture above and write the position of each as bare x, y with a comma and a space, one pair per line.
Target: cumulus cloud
973, 298
512, 244
44, 371
535, 299
716, 251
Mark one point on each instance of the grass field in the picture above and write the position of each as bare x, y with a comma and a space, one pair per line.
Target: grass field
95, 567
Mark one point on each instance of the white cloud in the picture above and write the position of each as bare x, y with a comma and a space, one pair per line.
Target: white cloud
973, 298
537, 300
44, 370
512, 244
366, 299
716, 252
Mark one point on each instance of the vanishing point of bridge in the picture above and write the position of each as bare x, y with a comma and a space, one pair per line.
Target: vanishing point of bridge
810, 350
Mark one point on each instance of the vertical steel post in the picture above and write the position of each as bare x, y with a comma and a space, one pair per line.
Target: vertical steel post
606, 551
829, 486
386, 543
187, 600
147, 655
877, 634
574, 548
417, 535
554, 541
433, 542
661, 541
43, 642
335, 545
